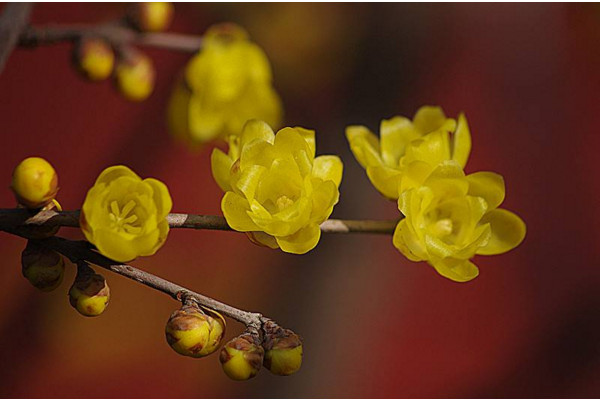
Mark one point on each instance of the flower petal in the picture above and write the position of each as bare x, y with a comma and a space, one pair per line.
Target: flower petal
262, 239
461, 141
488, 185
302, 241
309, 137
364, 145
400, 243
117, 171
328, 168
235, 210
386, 180
396, 133
255, 129
205, 123
161, 197
325, 195
221, 165
428, 118
508, 231
114, 245
455, 269
246, 181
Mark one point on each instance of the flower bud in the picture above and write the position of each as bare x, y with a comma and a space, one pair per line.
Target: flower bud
89, 294
34, 182
192, 333
94, 58
42, 267
151, 17
241, 358
135, 75
283, 351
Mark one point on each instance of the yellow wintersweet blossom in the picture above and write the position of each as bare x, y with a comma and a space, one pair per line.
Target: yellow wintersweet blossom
226, 84
125, 216
452, 217
421, 144
276, 189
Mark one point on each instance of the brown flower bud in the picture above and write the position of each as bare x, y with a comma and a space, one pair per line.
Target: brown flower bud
193, 333
241, 358
283, 350
42, 267
90, 293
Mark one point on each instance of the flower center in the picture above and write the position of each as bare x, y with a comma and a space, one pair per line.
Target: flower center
120, 218
442, 227
283, 202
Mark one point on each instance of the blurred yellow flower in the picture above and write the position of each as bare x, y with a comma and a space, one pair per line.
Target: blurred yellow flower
125, 216
420, 144
452, 217
226, 84
276, 189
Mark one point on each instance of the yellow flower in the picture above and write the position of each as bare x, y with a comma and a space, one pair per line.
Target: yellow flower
452, 217
420, 144
227, 83
125, 216
275, 187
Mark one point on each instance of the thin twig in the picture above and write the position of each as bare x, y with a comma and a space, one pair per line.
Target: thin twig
114, 33
13, 218
80, 251
12, 22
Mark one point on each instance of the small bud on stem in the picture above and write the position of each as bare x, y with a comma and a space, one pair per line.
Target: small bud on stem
241, 358
283, 350
94, 58
89, 294
192, 333
34, 182
42, 267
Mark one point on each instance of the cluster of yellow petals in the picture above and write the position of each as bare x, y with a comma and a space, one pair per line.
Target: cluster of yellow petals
227, 83
452, 217
125, 216
276, 189
449, 217
421, 144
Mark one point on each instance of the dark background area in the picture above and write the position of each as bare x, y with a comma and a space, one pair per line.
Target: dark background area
374, 323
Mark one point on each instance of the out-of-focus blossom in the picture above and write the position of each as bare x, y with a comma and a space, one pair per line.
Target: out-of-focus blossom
226, 84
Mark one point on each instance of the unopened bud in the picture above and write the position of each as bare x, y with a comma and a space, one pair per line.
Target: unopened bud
283, 350
42, 267
89, 294
34, 182
135, 75
94, 58
241, 358
191, 332
151, 17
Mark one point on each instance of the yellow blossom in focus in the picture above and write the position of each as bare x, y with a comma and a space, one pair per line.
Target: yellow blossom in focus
420, 145
276, 189
125, 216
226, 84
452, 217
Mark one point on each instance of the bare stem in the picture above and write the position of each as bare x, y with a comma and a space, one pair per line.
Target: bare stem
80, 251
13, 20
114, 33
13, 218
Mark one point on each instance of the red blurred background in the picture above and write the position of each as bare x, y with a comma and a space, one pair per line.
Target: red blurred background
374, 324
